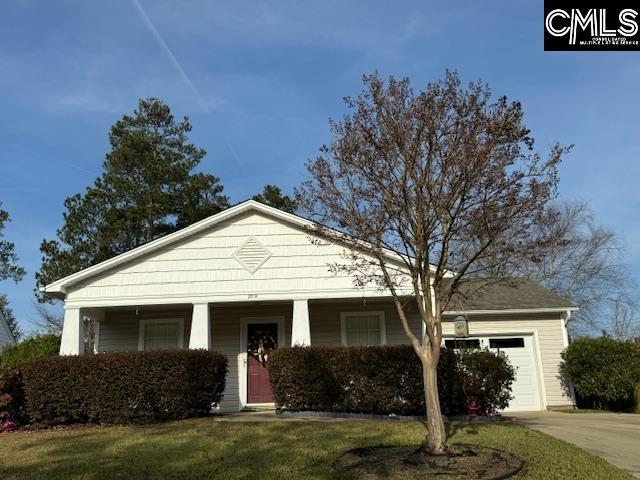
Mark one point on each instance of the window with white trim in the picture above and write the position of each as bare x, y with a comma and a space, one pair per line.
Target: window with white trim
363, 328
162, 334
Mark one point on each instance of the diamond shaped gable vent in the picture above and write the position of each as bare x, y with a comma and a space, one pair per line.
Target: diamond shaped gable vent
252, 254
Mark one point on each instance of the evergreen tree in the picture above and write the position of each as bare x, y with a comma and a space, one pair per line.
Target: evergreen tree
148, 189
9, 269
272, 195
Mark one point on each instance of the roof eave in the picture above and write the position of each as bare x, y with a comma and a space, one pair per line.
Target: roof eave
59, 285
507, 311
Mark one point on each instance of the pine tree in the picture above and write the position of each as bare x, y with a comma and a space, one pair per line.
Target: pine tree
148, 189
272, 195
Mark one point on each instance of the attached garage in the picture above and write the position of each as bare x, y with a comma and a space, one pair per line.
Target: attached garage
528, 324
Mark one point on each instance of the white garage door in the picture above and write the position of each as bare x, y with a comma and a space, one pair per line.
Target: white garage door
520, 351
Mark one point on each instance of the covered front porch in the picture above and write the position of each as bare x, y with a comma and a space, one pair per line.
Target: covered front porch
227, 327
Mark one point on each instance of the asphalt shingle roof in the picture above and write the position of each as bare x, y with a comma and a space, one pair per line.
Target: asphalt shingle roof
505, 294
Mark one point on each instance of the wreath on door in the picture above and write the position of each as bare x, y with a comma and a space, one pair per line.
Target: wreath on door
260, 345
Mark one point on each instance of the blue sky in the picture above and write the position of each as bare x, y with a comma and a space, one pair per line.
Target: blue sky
259, 81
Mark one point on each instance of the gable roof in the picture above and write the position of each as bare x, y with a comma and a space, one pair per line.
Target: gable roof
506, 295
59, 286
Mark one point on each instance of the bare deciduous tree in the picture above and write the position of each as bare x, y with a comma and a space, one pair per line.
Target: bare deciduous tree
49, 319
423, 185
624, 321
583, 263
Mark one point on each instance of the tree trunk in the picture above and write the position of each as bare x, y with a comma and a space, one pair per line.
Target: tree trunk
436, 434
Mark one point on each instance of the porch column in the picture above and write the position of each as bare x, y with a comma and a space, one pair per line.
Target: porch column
200, 327
300, 331
97, 317
72, 342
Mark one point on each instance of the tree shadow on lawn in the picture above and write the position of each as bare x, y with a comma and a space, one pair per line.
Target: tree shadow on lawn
208, 449
200, 448
452, 428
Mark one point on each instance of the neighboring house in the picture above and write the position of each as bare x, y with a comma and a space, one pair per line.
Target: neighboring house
6, 336
251, 275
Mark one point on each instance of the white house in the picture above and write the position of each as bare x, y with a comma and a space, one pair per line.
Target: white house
6, 336
251, 272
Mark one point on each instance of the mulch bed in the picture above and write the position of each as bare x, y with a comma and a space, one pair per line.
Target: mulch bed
372, 416
468, 462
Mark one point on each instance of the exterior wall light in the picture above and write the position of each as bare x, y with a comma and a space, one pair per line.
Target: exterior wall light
461, 326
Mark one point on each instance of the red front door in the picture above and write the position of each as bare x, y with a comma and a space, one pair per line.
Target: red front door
261, 339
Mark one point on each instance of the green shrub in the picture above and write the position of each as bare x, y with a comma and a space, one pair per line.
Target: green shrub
13, 408
604, 372
382, 380
302, 378
486, 379
36, 346
13, 411
124, 387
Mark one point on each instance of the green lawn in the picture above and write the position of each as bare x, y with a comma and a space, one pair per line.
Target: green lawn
207, 448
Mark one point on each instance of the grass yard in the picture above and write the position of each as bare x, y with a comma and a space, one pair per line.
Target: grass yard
208, 448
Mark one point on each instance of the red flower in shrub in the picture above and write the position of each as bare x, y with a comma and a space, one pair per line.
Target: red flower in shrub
6, 398
8, 426
474, 408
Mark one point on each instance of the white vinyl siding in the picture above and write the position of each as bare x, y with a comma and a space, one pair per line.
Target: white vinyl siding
5, 335
164, 334
204, 266
549, 344
362, 328
225, 338
547, 327
325, 324
120, 329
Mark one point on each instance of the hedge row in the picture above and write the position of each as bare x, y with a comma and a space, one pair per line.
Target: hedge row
35, 346
13, 408
386, 380
604, 373
124, 387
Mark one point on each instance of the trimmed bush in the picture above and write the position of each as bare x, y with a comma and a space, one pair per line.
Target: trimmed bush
604, 372
13, 410
486, 379
124, 387
36, 346
382, 380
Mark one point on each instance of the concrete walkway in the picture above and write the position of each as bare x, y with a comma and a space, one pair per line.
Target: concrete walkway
612, 436
248, 417
270, 416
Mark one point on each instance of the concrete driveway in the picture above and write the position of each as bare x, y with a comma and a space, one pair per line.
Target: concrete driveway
612, 436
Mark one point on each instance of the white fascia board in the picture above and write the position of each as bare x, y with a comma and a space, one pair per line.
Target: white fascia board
507, 311
333, 294
58, 285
